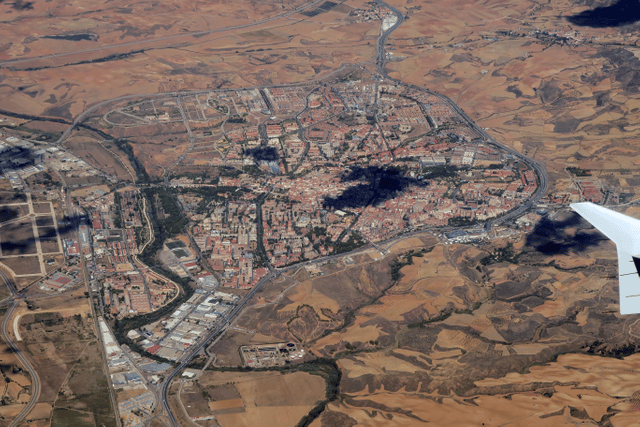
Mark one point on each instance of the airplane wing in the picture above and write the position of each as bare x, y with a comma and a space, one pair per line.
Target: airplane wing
624, 231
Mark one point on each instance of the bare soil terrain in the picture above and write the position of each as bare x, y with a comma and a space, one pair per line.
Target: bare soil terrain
18, 239
79, 59
102, 156
561, 93
23, 264
436, 322
253, 398
59, 339
17, 385
512, 331
577, 389
143, 48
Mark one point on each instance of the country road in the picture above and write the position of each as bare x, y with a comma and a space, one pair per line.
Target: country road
380, 61
160, 39
541, 171
35, 380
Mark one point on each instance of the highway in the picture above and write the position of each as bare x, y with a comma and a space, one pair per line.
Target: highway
72, 212
539, 168
381, 56
196, 34
99, 105
380, 63
35, 380
204, 342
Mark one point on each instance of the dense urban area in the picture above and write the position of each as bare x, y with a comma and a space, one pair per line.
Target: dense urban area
275, 178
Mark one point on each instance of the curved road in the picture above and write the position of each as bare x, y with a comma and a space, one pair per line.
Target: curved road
35, 380
539, 168
175, 36
202, 343
380, 63
94, 107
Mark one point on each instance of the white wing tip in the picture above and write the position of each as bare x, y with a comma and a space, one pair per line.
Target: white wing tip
578, 205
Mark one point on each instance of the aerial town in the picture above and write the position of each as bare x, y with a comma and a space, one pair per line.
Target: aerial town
304, 173
319, 213
335, 167
283, 183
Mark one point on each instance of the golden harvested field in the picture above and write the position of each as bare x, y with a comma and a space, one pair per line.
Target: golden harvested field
147, 47
105, 157
226, 404
22, 264
316, 305
253, 398
459, 320
61, 344
84, 57
546, 87
450, 335
576, 388
304, 293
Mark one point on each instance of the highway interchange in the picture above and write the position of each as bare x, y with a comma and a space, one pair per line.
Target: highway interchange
35, 380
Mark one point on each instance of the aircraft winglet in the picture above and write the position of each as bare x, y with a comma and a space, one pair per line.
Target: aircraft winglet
624, 231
